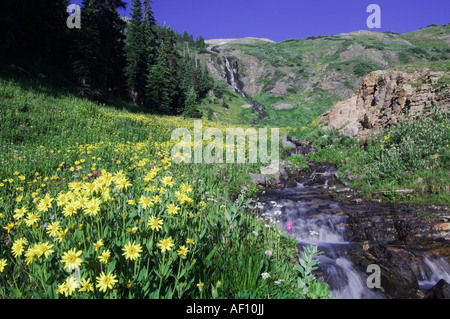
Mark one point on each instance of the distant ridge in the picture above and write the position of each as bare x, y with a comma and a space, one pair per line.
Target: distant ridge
247, 40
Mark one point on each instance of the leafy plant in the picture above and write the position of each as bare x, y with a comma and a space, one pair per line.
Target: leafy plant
306, 282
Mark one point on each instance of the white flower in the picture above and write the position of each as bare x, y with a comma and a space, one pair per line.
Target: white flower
313, 233
265, 275
278, 212
255, 233
279, 282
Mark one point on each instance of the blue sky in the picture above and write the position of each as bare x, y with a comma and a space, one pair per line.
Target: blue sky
287, 19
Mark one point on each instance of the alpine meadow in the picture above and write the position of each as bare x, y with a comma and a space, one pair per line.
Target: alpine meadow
139, 161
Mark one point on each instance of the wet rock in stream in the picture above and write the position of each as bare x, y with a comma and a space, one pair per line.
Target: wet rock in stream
408, 242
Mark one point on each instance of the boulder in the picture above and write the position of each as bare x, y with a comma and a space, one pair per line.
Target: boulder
286, 143
440, 291
283, 106
397, 277
385, 98
276, 174
259, 180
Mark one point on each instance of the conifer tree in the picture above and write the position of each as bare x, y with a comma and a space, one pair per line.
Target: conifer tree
112, 42
191, 104
149, 34
85, 52
135, 49
162, 79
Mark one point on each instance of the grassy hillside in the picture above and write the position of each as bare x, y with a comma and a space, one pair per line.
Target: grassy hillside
411, 155
314, 73
91, 190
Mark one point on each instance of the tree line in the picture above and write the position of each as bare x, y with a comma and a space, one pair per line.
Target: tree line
135, 58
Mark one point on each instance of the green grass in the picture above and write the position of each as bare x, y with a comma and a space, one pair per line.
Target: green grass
318, 102
438, 66
52, 142
314, 59
414, 154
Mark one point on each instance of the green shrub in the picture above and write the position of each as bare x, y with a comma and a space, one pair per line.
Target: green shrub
363, 68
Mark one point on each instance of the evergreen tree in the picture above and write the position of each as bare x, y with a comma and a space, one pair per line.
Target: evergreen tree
97, 53
112, 42
162, 81
149, 34
135, 49
33, 33
191, 104
85, 52
200, 44
186, 76
205, 81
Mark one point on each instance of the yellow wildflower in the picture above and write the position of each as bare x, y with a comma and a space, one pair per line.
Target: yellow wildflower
71, 259
105, 282
155, 223
132, 251
165, 244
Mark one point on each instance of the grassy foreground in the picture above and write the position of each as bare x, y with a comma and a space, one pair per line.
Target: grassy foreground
91, 206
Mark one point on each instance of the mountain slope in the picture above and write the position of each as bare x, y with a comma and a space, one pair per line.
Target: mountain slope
389, 96
314, 73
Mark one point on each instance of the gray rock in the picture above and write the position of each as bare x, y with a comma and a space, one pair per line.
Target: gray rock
286, 143
283, 106
343, 190
440, 291
277, 174
259, 180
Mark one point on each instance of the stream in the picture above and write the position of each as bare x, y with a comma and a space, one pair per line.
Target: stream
409, 243
233, 78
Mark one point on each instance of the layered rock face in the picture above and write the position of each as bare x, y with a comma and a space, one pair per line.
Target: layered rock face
386, 97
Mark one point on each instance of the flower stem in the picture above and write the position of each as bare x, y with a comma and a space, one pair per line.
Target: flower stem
161, 274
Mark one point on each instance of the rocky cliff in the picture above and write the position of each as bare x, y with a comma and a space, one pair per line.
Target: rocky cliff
386, 97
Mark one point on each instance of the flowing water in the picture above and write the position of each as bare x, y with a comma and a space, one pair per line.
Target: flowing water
233, 79
319, 219
341, 229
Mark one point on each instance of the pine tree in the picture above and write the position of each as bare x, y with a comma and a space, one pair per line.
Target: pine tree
135, 55
200, 44
205, 81
33, 33
191, 105
149, 34
85, 52
162, 80
112, 42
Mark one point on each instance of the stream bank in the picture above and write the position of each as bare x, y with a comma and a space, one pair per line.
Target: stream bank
409, 242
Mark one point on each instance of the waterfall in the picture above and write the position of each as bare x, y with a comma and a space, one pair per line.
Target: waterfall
317, 218
232, 76
312, 227
431, 271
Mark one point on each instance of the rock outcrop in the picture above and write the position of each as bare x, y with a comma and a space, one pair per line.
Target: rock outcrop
386, 97
276, 175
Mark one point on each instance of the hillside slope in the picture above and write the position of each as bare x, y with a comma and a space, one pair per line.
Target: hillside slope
389, 96
90, 181
314, 73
